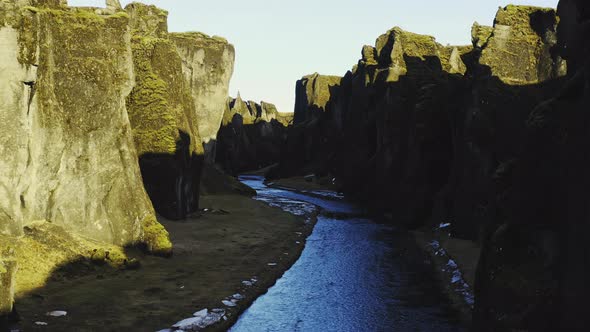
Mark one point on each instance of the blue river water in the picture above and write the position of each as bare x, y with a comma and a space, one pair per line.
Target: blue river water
353, 275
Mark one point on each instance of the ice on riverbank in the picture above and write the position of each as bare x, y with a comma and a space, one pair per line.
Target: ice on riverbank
199, 321
458, 283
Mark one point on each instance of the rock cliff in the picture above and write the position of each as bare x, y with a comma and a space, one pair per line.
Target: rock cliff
208, 64
417, 129
182, 81
163, 116
491, 137
69, 157
533, 270
251, 135
86, 93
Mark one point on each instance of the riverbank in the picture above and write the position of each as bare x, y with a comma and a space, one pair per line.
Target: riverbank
238, 246
455, 264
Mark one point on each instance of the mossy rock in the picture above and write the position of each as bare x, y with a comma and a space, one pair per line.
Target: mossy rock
156, 237
318, 89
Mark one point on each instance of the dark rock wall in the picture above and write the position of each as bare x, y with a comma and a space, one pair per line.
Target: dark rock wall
251, 136
490, 137
534, 269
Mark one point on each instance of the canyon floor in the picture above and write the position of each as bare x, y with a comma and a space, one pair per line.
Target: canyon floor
235, 241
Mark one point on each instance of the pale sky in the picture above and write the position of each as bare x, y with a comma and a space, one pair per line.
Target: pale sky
278, 42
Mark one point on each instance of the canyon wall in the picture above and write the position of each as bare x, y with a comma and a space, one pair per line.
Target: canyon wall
533, 272
163, 116
208, 64
69, 157
491, 137
251, 136
182, 82
102, 117
417, 129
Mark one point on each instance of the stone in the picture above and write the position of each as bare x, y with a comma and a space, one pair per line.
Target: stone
208, 64
182, 81
71, 159
251, 136
113, 5
8, 269
518, 51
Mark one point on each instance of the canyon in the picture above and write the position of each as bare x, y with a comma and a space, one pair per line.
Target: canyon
115, 132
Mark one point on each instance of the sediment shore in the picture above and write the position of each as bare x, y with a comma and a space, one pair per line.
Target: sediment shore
237, 246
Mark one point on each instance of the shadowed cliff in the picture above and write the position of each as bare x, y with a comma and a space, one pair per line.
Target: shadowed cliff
428, 134
251, 136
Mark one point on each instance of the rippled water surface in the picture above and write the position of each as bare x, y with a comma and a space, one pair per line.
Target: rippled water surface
353, 275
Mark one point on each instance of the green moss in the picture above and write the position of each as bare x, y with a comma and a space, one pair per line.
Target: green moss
154, 126
28, 38
214, 47
318, 88
156, 237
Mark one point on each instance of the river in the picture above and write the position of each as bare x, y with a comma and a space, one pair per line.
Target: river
353, 275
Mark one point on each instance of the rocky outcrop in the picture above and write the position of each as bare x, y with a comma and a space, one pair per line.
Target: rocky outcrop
69, 161
86, 94
208, 64
181, 86
69, 157
163, 116
382, 131
416, 129
251, 136
490, 137
533, 270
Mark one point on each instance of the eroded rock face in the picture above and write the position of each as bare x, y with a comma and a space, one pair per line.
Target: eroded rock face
207, 63
163, 117
533, 270
251, 136
417, 129
383, 130
69, 156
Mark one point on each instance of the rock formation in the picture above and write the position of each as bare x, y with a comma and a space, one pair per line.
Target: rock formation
69, 157
163, 117
416, 129
208, 64
182, 81
491, 137
251, 135
533, 270
86, 94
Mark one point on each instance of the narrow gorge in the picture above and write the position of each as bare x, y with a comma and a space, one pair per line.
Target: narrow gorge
429, 188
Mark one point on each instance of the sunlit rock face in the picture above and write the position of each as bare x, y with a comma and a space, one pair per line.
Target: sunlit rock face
251, 135
68, 153
176, 105
163, 116
207, 64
